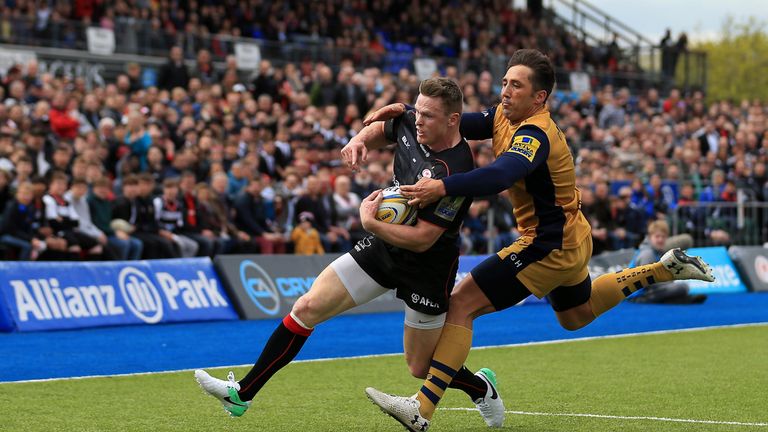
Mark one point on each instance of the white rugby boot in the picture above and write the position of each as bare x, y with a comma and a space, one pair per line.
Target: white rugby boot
683, 266
224, 391
491, 406
403, 409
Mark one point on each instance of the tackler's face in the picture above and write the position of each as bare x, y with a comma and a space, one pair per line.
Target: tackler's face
519, 100
432, 120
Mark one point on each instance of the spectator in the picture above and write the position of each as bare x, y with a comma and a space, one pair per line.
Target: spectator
652, 248
123, 245
63, 219
76, 196
170, 217
347, 205
19, 226
174, 72
194, 224
251, 217
305, 237
628, 222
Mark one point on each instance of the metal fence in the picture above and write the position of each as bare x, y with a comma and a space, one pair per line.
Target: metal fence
717, 223
140, 37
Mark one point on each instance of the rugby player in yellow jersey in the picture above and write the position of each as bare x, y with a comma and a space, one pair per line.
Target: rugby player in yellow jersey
534, 164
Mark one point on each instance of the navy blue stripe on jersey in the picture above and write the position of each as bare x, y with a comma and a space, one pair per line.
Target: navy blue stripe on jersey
477, 126
549, 231
500, 175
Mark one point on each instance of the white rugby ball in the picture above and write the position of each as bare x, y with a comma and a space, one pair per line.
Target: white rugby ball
394, 208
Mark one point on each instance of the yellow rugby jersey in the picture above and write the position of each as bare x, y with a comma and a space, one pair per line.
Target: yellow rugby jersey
546, 201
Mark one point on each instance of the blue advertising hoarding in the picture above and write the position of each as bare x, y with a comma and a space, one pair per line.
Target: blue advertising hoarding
66, 295
727, 278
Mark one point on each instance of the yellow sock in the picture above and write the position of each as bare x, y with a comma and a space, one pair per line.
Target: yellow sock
451, 352
611, 289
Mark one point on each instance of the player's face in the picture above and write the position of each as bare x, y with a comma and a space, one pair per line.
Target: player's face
518, 98
431, 120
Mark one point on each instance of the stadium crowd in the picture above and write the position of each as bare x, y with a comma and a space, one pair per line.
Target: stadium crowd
209, 161
483, 34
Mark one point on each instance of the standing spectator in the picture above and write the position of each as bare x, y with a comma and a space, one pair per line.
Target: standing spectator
124, 246
173, 73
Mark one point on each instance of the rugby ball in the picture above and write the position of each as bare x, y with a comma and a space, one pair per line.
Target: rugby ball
394, 208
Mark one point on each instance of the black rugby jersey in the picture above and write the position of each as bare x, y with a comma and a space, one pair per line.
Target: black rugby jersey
414, 161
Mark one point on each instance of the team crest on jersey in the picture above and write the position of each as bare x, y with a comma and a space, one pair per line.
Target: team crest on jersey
525, 146
448, 207
426, 173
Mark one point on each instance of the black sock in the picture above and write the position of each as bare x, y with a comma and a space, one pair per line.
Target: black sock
281, 349
469, 383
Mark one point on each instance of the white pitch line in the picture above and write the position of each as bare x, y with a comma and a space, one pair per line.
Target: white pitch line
325, 359
605, 416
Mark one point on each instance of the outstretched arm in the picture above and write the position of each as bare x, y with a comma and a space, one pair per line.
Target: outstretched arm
529, 149
371, 137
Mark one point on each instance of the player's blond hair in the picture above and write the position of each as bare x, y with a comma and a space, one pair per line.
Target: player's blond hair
658, 226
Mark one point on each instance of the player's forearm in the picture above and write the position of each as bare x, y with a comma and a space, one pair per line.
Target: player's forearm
403, 236
373, 136
488, 180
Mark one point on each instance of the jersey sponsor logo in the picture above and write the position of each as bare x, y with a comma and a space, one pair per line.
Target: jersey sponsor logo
448, 208
417, 299
364, 243
526, 146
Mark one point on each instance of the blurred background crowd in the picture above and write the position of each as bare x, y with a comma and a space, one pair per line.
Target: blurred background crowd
212, 159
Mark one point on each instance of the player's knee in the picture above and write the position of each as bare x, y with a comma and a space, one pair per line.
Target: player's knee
306, 309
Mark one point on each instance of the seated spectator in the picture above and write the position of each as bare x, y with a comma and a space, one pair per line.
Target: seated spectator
63, 219
194, 226
347, 205
334, 238
136, 208
169, 213
628, 223
251, 217
19, 227
123, 245
306, 239
215, 214
651, 250
76, 196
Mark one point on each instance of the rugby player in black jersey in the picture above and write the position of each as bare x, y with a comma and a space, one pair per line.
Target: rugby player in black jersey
418, 261
534, 164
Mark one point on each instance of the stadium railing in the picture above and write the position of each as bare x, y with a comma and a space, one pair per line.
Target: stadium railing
719, 223
137, 37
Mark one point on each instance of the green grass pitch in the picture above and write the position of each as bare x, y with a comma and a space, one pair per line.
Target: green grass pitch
717, 375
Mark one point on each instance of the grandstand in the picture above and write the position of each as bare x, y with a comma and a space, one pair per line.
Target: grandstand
173, 147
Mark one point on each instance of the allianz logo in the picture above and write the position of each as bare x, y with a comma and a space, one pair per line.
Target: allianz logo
46, 299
